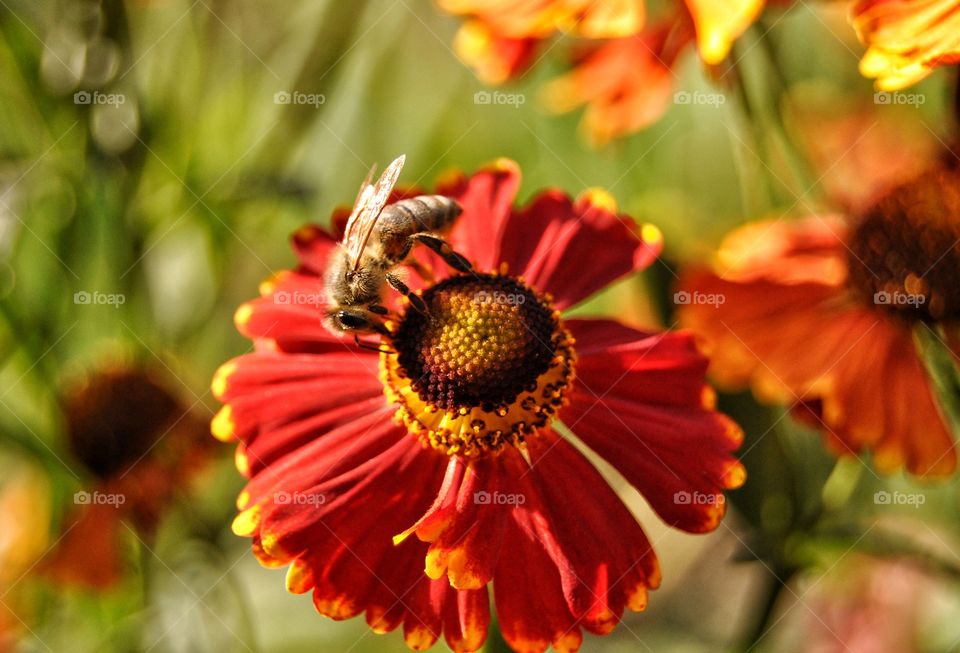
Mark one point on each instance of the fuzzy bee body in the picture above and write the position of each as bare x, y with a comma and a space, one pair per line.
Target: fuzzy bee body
414, 215
378, 238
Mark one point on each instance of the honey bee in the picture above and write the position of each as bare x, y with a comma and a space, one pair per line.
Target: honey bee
378, 238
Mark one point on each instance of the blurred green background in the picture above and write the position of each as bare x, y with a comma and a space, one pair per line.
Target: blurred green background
147, 151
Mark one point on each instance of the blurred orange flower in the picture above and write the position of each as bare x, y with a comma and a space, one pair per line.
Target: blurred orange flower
25, 506
625, 75
906, 39
519, 19
819, 314
626, 83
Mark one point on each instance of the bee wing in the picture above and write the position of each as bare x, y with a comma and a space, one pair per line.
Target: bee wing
351, 235
373, 199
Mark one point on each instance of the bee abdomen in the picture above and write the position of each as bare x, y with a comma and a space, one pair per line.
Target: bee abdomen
421, 213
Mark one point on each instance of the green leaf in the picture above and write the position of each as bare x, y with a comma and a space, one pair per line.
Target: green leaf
941, 364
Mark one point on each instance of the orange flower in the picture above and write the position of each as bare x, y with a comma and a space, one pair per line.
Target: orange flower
906, 39
626, 83
401, 484
519, 19
819, 314
25, 505
494, 58
719, 23
624, 75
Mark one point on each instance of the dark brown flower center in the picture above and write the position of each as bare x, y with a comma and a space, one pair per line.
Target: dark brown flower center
114, 418
481, 342
905, 252
486, 364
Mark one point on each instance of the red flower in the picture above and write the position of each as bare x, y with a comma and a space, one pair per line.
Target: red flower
441, 452
819, 314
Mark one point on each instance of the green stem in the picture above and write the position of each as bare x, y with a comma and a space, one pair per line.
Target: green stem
756, 197
495, 641
768, 606
800, 168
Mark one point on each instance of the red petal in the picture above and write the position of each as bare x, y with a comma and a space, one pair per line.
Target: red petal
277, 403
643, 406
313, 245
549, 242
291, 311
89, 553
486, 198
444, 507
613, 568
342, 548
531, 609
530, 606
466, 617
346, 446
469, 545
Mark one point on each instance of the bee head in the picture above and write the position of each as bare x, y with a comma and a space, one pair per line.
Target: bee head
354, 286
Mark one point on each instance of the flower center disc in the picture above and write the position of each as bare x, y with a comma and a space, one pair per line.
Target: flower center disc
486, 364
905, 253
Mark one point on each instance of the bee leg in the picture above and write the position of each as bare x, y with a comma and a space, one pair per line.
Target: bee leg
363, 345
415, 300
378, 309
455, 260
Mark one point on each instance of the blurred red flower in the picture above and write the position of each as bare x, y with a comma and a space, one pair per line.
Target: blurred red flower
141, 446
